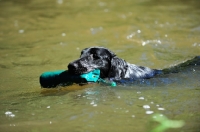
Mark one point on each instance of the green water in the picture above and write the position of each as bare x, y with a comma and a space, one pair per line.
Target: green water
43, 35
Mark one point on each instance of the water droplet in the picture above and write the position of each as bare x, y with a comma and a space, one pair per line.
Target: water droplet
133, 116
138, 92
92, 103
146, 106
8, 113
144, 43
142, 98
59, 1
21, 31
138, 31
149, 112
63, 34
161, 108
12, 115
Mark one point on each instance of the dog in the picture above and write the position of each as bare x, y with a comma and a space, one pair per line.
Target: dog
110, 65
115, 68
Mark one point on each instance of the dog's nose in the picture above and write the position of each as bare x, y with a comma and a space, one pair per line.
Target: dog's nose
72, 66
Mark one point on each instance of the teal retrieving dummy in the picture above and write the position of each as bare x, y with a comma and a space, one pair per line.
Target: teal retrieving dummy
52, 79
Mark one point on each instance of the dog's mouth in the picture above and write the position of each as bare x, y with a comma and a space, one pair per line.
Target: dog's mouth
80, 70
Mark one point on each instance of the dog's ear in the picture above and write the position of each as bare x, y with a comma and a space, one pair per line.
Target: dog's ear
112, 53
118, 68
83, 51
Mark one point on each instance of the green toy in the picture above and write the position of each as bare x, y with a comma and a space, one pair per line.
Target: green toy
53, 79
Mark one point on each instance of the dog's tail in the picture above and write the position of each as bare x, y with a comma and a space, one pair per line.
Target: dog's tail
180, 67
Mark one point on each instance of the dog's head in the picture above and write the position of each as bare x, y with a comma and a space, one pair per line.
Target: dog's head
91, 59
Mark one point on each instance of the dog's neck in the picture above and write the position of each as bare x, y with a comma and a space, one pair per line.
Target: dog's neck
118, 68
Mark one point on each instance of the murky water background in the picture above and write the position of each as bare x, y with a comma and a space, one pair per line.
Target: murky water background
43, 35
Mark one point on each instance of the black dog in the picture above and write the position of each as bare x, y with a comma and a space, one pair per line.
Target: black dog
109, 64
115, 68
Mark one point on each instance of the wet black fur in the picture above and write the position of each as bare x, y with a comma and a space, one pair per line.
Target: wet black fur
114, 67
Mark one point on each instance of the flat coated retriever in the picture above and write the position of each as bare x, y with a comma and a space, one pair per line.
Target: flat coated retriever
113, 67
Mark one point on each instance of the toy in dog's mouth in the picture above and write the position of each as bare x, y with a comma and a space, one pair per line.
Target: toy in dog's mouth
53, 79
63, 78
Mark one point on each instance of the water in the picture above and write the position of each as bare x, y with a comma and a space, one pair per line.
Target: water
38, 36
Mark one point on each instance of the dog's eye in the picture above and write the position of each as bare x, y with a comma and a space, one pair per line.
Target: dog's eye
96, 56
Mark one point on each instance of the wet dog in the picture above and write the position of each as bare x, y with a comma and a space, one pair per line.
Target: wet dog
109, 64
116, 68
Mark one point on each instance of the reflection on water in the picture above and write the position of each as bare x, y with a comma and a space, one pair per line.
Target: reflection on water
38, 36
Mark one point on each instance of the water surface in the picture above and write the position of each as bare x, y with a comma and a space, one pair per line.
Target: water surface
38, 36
